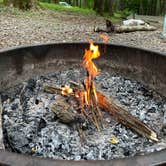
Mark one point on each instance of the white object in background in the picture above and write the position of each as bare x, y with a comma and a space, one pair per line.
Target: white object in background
133, 22
65, 4
164, 27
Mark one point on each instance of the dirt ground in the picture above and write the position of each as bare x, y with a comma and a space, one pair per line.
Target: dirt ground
47, 26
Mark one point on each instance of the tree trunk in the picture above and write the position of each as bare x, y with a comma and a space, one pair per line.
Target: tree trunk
109, 6
98, 6
86, 4
152, 7
163, 7
54, 1
122, 4
22, 4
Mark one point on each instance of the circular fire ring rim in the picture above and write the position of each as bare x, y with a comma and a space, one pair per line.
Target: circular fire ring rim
77, 42
14, 159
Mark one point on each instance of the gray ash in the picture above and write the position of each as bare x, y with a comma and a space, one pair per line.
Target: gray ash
30, 127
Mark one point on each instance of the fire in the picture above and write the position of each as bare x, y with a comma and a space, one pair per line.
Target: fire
66, 90
104, 37
89, 96
89, 55
92, 72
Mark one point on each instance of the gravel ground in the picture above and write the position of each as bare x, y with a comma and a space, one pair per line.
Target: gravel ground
47, 26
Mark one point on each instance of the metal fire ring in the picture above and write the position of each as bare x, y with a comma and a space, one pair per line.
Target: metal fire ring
21, 63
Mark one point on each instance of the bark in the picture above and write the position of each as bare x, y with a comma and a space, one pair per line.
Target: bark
54, 1
152, 7
163, 6
86, 4
98, 6
124, 117
122, 29
110, 27
122, 4
109, 6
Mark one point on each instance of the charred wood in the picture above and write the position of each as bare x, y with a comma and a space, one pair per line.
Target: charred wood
119, 114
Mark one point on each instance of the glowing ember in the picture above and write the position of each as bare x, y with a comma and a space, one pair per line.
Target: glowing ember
104, 37
66, 90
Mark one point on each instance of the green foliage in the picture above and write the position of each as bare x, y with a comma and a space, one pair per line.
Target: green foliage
14, 11
91, 4
48, 1
57, 7
122, 13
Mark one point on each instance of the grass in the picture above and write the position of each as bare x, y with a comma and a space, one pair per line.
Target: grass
57, 7
112, 18
51, 6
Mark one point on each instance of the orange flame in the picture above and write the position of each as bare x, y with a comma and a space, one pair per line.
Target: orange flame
89, 55
104, 37
92, 70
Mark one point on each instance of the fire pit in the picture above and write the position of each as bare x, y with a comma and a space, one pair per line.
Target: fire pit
133, 77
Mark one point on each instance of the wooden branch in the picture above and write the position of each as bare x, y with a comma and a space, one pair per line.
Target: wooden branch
52, 89
120, 114
124, 117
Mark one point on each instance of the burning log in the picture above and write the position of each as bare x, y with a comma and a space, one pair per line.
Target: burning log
90, 100
120, 114
124, 117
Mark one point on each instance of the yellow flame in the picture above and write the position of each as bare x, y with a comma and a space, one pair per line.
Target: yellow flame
66, 90
89, 55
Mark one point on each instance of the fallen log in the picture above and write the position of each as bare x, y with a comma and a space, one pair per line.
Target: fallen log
110, 28
123, 28
119, 114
